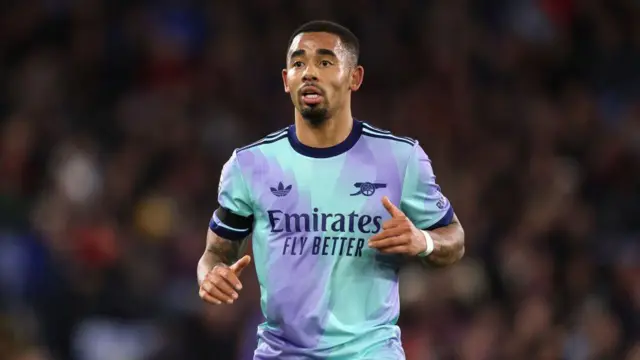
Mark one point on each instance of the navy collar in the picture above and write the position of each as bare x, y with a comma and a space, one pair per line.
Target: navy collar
327, 152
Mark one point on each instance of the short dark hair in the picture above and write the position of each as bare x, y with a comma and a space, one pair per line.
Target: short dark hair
349, 40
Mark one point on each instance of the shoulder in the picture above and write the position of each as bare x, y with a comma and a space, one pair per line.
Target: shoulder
383, 135
248, 156
273, 138
402, 146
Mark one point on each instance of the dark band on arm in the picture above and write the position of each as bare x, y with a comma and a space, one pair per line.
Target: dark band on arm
233, 220
444, 221
230, 226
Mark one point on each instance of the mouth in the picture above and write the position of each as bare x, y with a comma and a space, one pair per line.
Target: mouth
311, 95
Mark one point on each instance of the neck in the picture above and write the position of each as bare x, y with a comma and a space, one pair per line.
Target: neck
332, 132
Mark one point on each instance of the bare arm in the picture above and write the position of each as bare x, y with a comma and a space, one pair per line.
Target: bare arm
217, 251
219, 269
448, 244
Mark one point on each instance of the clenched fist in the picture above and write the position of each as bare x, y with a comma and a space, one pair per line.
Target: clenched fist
398, 235
221, 283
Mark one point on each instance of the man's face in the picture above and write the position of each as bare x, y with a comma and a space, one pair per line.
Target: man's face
320, 75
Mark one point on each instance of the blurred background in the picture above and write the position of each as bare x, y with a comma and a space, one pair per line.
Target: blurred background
117, 115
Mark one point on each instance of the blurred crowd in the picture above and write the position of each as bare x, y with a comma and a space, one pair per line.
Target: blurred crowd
117, 115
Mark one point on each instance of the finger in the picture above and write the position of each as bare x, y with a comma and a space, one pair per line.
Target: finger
216, 292
391, 209
241, 264
228, 275
390, 224
204, 295
222, 283
401, 249
379, 236
389, 242
396, 231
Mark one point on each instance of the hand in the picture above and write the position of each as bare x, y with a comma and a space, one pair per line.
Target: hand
398, 235
219, 285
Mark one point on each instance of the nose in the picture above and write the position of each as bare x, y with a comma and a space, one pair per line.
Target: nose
310, 74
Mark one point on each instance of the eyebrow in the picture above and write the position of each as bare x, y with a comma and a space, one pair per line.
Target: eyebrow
301, 52
326, 52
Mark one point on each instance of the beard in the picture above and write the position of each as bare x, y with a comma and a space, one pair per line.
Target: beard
315, 115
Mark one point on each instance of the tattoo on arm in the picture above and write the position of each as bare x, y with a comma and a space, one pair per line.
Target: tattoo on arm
449, 245
223, 251
219, 251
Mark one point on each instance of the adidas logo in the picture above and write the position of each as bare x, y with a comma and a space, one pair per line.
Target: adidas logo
281, 190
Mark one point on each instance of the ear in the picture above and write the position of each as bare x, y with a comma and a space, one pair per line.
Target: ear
357, 75
285, 81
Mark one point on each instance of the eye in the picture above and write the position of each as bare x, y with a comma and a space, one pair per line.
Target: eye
325, 63
298, 64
